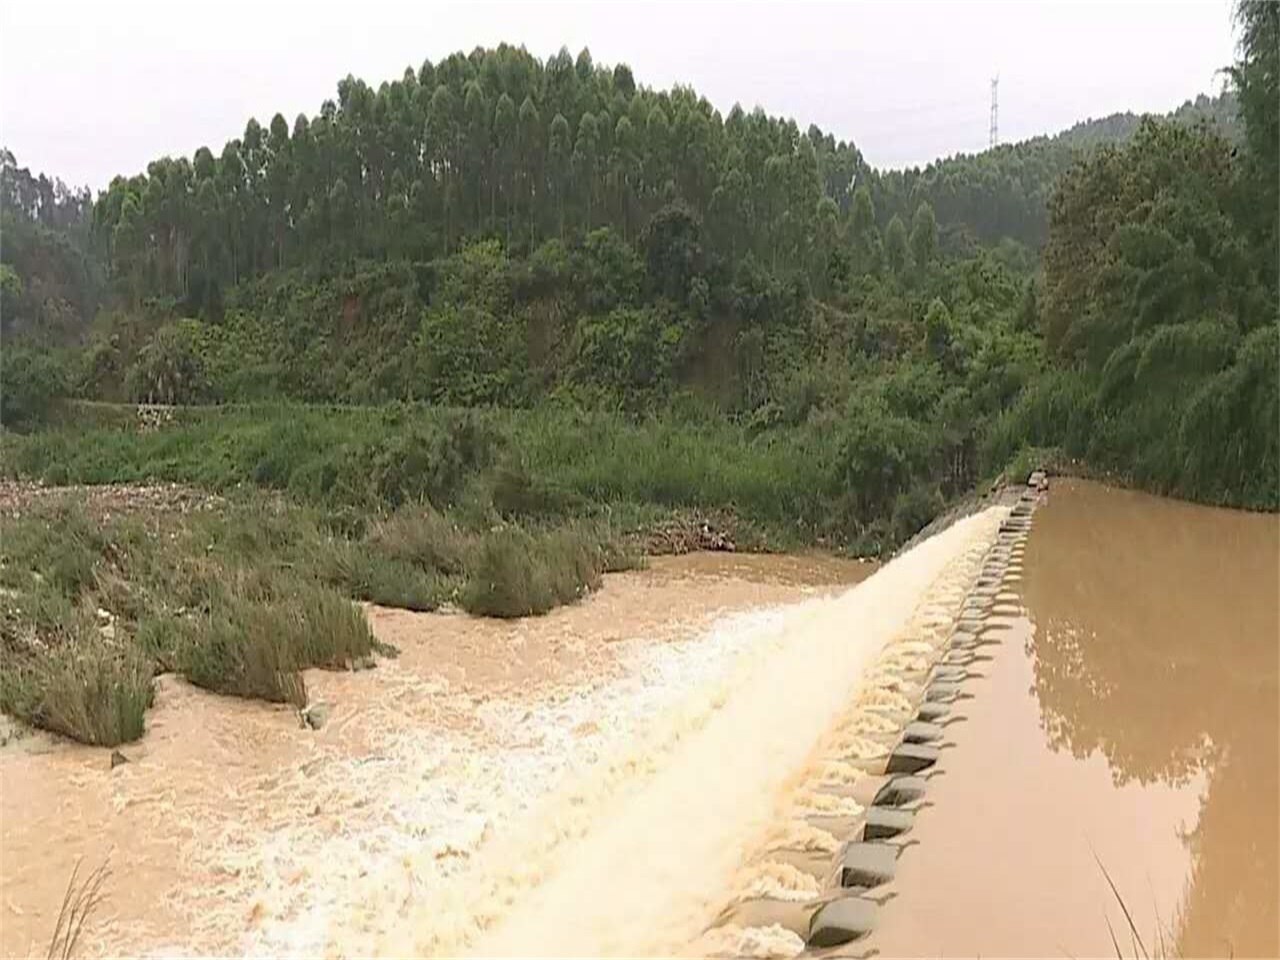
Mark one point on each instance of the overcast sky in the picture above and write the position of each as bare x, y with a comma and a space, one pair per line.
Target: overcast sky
92, 88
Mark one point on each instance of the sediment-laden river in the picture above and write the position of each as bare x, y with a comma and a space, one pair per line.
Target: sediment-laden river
602, 780
1129, 722
233, 830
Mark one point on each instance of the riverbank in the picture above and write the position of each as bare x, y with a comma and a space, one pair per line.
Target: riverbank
810, 485
105, 587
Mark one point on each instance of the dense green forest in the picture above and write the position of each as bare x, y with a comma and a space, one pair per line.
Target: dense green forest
476, 336
498, 231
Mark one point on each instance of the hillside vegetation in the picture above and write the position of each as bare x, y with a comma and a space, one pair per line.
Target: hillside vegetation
473, 332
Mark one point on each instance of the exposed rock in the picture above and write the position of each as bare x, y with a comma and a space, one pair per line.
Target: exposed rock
867, 864
118, 758
911, 758
316, 715
884, 823
840, 921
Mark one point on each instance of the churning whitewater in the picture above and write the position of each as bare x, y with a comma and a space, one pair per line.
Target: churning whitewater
638, 852
602, 780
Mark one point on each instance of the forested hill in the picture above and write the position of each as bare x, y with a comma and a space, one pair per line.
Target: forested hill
495, 230
500, 144
1003, 193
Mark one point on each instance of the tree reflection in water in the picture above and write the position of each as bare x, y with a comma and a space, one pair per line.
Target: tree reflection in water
1157, 643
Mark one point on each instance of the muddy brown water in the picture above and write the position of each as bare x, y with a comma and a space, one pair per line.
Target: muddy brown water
1130, 720
234, 830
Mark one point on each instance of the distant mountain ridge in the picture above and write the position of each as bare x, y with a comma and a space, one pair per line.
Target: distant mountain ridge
1003, 192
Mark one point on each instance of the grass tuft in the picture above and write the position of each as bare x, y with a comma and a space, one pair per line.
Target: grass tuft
256, 647
365, 574
79, 902
423, 538
328, 630
518, 574
244, 651
85, 688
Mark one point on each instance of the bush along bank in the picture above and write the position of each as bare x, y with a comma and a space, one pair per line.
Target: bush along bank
240, 595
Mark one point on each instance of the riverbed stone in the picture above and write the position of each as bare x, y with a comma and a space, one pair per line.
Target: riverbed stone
884, 822
867, 864
911, 758
841, 921
316, 715
920, 731
942, 690
899, 791
932, 710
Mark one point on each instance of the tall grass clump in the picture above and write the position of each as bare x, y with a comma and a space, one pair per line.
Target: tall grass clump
778, 478
519, 574
259, 637
422, 537
327, 630
80, 901
244, 651
531, 464
366, 574
87, 689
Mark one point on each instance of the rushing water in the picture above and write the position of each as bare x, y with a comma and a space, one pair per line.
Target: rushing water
635, 858
1129, 722
619, 776
233, 830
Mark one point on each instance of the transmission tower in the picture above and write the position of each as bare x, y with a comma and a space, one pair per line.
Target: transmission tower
995, 111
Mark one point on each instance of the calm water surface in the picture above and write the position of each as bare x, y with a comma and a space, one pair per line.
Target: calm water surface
1129, 721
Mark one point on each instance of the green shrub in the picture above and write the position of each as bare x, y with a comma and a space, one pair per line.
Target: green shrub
422, 537
58, 542
87, 689
518, 574
913, 510
244, 650
171, 367
31, 380
1027, 460
364, 573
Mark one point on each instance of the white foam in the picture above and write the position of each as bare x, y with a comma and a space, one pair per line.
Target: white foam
667, 820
